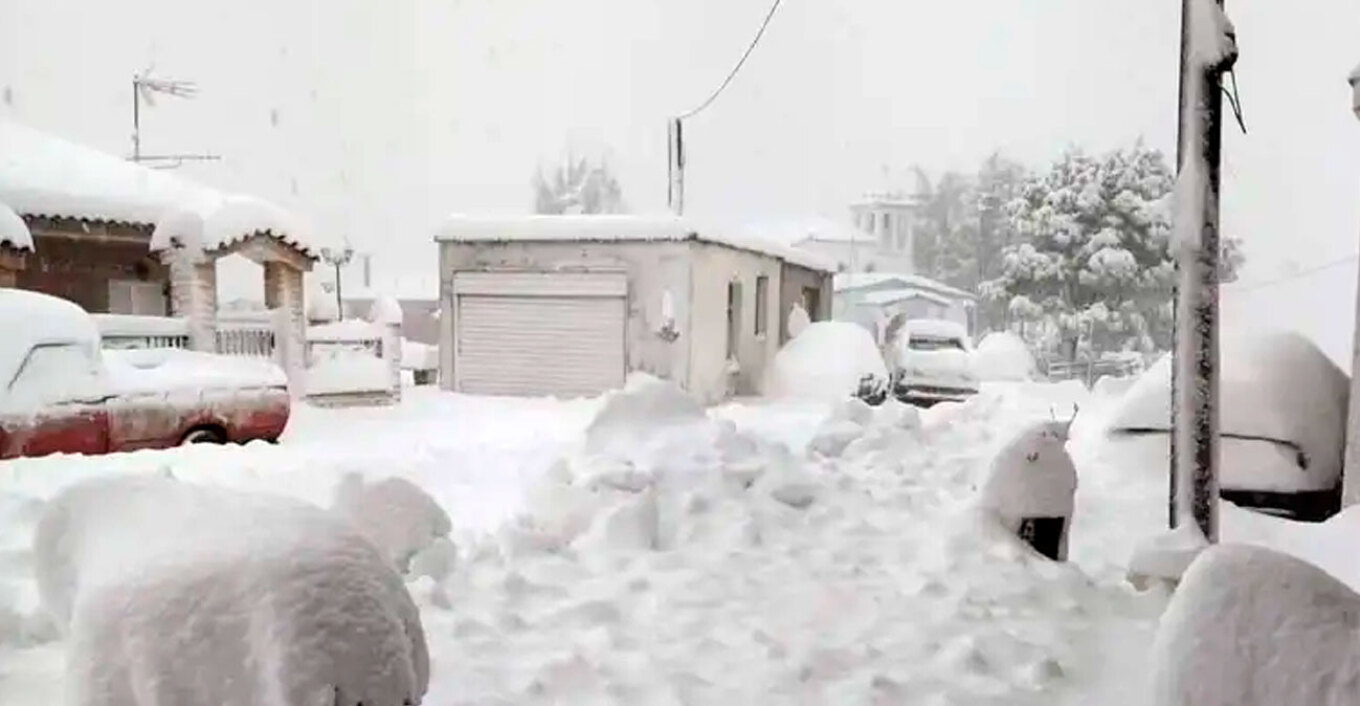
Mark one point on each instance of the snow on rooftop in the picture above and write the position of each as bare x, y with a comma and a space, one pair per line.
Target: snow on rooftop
212, 221
44, 175
890, 296
13, 231
617, 228
860, 280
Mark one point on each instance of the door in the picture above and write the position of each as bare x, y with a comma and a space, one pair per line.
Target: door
539, 333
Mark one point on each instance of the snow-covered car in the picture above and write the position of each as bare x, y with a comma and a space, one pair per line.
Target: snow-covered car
60, 393
829, 360
1281, 427
931, 362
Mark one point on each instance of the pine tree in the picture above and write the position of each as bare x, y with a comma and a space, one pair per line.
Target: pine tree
577, 187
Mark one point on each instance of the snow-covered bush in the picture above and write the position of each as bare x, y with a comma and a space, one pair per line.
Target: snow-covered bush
1252, 627
396, 515
827, 362
172, 593
1003, 356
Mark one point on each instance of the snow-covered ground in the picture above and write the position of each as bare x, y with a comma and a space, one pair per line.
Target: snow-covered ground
763, 552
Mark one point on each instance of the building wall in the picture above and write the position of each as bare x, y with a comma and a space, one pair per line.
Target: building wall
653, 268
419, 317
77, 260
715, 267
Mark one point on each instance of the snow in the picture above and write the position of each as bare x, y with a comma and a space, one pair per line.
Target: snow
354, 372
1212, 36
938, 328
13, 231
693, 555
1166, 556
798, 320
141, 371
43, 175
31, 319
1251, 627
1274, 386
385, 311
892, 296
824, 362
847, 281
419, 356
343, 331
618, 228
1032, 476
170, 592
1003, 356
396, 515
212, 221
128, 325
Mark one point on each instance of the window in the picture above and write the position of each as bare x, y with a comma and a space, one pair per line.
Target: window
931, 343
733, 319
762, 305
55, 373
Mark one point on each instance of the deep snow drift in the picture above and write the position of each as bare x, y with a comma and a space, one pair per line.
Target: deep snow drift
1002, 356
169, 592
825, 362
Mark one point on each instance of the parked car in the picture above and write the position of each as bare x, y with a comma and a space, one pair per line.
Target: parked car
1282, 425
60, 393
930, 362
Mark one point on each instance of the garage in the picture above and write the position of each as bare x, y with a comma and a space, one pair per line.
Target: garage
539, 333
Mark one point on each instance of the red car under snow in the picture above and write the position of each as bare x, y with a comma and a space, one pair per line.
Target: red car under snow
60, 393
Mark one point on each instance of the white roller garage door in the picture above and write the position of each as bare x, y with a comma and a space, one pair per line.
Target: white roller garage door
535, 333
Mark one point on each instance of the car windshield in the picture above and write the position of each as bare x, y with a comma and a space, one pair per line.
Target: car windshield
934, 343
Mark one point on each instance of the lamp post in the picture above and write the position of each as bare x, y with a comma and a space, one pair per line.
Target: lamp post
1350, 478
338, 259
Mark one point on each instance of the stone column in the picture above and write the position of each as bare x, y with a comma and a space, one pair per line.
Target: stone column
283, 293
193, 297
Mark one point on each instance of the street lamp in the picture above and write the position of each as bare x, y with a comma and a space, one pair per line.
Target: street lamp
338, 259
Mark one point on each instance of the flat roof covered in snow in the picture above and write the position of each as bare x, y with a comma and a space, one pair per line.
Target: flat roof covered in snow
889, 296
860, 280
616, 228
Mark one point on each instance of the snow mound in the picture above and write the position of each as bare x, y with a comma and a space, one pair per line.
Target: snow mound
1276, 386
386, 311
644, 402
13, 231
798, 321
396, 515
1252, 627
1167, 555
1003, 357
174, 593
825, 362
1032, 476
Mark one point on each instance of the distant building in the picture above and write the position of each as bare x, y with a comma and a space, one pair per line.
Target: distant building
879, 238
874, 299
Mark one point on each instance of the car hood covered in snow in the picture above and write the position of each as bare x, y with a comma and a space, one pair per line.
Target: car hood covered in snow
164, 370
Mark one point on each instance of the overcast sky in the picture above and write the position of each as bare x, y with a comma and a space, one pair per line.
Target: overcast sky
377, 119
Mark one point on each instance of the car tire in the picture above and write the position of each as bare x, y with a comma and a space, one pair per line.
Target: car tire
203, 435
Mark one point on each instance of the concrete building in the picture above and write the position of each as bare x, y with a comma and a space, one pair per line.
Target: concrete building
880, 237
568, 305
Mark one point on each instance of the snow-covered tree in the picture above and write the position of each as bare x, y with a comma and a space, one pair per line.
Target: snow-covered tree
576, 187
1093, 259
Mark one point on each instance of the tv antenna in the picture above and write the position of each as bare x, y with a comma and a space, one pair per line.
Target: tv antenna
144, 88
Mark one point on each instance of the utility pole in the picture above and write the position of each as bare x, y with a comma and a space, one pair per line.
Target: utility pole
1350, 478
676, 162
1208, 50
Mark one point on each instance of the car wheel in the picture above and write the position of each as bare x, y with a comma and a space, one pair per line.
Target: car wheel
203, 435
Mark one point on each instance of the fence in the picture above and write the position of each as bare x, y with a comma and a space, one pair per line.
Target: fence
123, 331
249, 334
1088, 371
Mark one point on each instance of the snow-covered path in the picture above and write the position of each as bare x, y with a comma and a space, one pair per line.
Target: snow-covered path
885, 589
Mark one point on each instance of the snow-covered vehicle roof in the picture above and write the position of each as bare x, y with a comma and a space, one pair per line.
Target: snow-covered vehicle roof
1276, 386
44, 175
936, 328
32, 319
13, 231
617, 228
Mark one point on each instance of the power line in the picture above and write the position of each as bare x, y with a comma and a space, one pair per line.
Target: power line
735, 69
1297, 275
